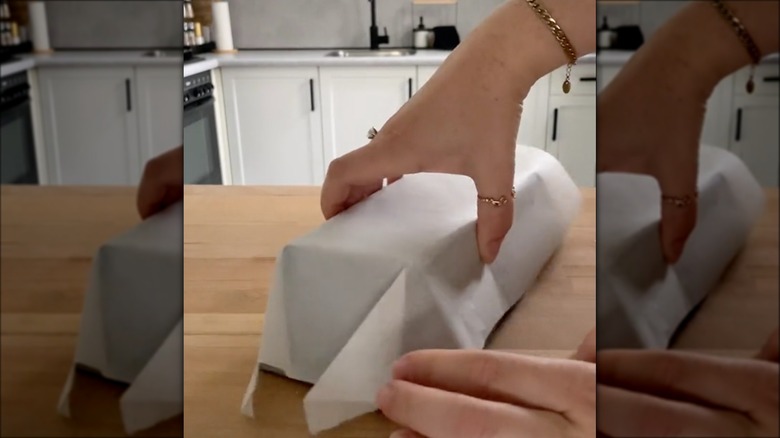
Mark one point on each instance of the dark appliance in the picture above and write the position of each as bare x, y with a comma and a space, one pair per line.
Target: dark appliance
18, 164
201, 146
627, 38
445, 37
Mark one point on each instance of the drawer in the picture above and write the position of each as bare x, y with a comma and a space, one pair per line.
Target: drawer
765, 79
583, 80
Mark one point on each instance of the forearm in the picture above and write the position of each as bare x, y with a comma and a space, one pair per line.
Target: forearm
697, 47
515, 46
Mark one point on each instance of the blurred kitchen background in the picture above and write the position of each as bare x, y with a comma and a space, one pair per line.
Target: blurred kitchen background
745, 123
91, 90
289, 85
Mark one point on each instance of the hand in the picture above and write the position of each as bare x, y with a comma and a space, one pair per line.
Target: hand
489, 394
461, 122
645, 393
465, 119
162, 182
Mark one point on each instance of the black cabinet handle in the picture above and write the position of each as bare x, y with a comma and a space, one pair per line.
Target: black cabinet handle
738, 134
555, 125
410, 88
311, 93
127, 95
772, 79
588, 79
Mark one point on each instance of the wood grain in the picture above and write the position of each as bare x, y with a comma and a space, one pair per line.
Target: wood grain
49, 236
231, 239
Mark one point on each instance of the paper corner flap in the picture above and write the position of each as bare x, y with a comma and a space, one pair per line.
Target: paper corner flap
63, 405
247, 402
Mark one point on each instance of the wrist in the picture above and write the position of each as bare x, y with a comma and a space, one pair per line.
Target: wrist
517, 46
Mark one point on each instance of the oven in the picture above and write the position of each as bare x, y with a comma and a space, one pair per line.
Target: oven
18, 164
201, 146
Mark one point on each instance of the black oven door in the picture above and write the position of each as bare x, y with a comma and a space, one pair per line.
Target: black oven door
201, 149
17, 145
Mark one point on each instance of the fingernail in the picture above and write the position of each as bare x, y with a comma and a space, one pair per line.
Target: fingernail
384, 395
400, 366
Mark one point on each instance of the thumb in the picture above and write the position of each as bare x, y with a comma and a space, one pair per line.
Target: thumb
494, 221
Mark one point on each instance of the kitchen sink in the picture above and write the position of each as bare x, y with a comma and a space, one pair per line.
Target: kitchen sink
155, 54
363, 53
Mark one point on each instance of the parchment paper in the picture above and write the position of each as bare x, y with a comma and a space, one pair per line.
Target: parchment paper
401, 272
641, 300
131, 321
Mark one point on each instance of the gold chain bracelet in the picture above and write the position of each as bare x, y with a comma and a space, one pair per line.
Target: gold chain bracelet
560, 36
744, 38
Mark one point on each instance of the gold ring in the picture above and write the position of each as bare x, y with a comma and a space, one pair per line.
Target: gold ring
680, 201
503, 200
372, 133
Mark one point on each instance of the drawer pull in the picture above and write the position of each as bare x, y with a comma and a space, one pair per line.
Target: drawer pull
555, 125
772, 79
410, 88
311, 93
738, 134
588, 79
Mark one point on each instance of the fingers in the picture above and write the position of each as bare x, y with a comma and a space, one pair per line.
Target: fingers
677, 222
625, 413
745, 384
494, 222
435, 413
550, 384
770, 349
162, 183
587, 349
361, 168
405, 433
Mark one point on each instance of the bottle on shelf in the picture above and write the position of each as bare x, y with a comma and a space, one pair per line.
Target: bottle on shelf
605, 35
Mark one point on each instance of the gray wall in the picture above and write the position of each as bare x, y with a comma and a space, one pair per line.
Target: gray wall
343, 23
114, 24
648, 14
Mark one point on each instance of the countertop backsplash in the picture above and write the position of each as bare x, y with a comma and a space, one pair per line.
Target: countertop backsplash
298, 24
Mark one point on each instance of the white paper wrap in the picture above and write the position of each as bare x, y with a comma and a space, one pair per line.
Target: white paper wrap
39, 26
401, 272
131, 323
641, 300
223, 33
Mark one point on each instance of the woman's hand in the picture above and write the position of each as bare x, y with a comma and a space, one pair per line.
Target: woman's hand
162, 182
651, 114
465, 119
646, 393
490, 394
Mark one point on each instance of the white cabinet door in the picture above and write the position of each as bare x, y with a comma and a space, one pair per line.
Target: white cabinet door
424, 73
90, 128
755, 137
158, 92
273, 125
572, 136
605, 75
355, 99
715, 131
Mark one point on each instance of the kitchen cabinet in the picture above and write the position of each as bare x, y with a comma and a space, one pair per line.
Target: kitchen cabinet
101, 124
424, 73
158, 92
355, 99
571, 137
274, 125
90, 130
571, 123
755, 139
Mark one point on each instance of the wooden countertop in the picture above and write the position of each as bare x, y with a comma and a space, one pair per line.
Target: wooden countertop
232, 235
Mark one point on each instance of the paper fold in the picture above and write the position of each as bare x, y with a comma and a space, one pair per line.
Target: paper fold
401, 272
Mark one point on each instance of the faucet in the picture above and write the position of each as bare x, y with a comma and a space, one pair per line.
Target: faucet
376, 39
